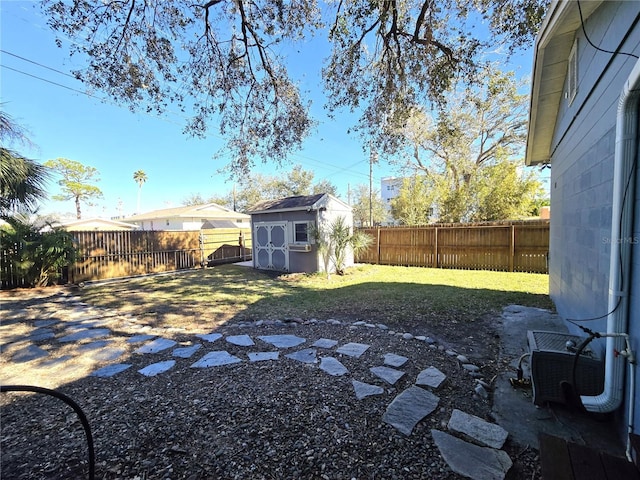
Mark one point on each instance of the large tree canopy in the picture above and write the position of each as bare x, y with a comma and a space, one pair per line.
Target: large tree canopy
225, 61
467, 157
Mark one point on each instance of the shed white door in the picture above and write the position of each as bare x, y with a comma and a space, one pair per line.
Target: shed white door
270, 240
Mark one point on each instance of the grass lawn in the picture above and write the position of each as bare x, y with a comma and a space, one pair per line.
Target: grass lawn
393, 295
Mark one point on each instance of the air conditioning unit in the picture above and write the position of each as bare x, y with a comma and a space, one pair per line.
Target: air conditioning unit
299, 247
552, 362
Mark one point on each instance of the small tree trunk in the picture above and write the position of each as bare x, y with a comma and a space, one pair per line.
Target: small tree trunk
78, 212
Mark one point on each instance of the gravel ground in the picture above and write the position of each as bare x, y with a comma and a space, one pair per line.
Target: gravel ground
267, 420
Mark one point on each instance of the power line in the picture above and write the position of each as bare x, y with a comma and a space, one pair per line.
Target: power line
50, 81
38, 64
104, 100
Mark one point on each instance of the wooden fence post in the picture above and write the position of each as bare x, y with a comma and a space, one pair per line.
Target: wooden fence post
512, 246
435, 247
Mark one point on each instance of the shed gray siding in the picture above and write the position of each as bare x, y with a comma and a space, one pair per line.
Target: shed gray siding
298, 261
582, 166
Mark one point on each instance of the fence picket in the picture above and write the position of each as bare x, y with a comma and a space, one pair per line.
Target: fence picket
518, 246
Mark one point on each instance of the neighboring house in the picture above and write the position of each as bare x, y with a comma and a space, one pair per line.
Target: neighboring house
101, 224
584, 123
282, 231
194, 217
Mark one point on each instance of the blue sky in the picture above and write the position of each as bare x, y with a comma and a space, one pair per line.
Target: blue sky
62, 122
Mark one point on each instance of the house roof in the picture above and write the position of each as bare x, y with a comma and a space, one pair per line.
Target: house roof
292, 204
97, 224
552, 49
207, 211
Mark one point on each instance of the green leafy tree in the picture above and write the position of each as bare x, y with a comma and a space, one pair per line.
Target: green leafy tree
194, 199
22, 180
335, 242
324, 186
140, 177
416, 201
76, 182
368, 206
257, 187
36, 253
504, 193
385, 56
478, 135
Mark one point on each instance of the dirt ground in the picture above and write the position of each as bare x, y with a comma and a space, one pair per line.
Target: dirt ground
283, 419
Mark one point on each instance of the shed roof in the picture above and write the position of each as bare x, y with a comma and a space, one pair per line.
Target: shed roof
552, 50
289, 204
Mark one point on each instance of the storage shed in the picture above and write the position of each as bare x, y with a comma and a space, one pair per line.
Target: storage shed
282, 231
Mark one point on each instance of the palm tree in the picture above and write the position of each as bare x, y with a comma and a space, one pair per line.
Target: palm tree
22, 181
140, 177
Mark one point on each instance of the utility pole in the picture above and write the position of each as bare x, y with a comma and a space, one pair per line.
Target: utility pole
234, 197
373, 158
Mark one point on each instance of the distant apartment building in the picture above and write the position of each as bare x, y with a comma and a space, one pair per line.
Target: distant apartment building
389, 189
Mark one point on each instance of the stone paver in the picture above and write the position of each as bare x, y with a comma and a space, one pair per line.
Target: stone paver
41, 334
308, 355
216, 359
472, 461
56, 361
186, 352
364, 390
325, 343
28, 353
389, 375
143, 337
283, 341
93, 345
240, 340
108, 354
111, 370
333, 366
394, 360
431, 377
488, 434
157, 368
209, 337
408, 408
353, 349
263, 356
157, 345
44, 323
85, 335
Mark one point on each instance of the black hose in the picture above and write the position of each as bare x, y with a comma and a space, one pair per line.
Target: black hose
72, 404
574, 380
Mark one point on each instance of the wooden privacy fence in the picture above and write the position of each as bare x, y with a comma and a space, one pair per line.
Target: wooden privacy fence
503, 246
114, 254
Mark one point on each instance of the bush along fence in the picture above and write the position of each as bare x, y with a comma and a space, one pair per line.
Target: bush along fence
113, 254
515, 246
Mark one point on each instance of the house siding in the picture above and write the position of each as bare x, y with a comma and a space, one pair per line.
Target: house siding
582, 167
582, 180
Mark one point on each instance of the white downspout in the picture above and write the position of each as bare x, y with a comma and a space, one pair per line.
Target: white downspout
620, 260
